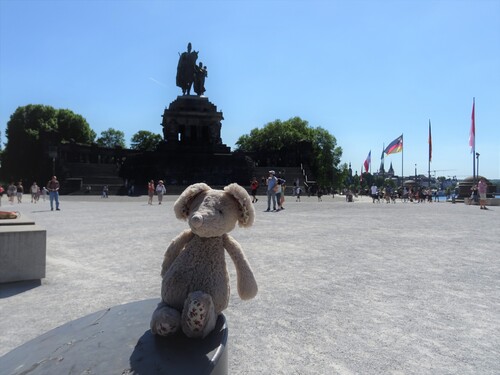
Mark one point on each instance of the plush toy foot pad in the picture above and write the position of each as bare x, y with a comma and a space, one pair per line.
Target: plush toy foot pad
165, 320
198, 315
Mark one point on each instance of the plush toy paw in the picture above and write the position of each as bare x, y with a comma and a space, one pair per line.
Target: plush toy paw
198, 315
165, 320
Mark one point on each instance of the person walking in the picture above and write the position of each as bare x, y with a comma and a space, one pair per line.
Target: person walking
374, 193
281, 200
254, 185
20, 191
271, 183
279, 193
53, 188
35, 192
11, 192
482, 188
160, 190
151, 191
298, 191
473, 195
44, 192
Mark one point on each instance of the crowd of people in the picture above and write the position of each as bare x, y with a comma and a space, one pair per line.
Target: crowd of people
275, 192
406, 194
275, 187
15, 191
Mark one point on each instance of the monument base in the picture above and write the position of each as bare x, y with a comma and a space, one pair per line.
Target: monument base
118, 341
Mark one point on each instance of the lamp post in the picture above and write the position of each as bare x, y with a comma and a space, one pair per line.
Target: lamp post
477, 168
53, 155
415, 174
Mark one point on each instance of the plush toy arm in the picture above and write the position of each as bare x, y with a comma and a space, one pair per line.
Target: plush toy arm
247, 286
174, 249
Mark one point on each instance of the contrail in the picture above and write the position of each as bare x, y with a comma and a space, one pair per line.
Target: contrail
158, 82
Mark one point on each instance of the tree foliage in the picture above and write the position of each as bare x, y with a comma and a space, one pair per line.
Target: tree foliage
145, 140
275, 135
32, 130
73, 127
111, 138
286, 136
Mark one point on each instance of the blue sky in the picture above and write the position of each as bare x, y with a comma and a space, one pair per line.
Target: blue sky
367, 71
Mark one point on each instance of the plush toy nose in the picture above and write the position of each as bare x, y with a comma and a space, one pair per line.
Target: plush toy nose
196, 220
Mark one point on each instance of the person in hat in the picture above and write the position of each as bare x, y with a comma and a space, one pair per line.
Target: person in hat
160, 190
271, 183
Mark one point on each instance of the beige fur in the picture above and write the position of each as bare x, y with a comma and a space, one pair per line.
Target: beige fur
195, 286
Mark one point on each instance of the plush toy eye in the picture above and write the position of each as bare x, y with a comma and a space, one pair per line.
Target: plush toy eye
220, 211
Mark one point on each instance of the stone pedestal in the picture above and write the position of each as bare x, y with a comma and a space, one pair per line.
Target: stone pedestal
23, 247
193, 123
118, 341
192, 150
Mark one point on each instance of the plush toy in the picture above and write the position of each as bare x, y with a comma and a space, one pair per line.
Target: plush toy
195, 286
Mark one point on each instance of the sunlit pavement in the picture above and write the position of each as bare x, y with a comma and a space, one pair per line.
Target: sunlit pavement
344, 288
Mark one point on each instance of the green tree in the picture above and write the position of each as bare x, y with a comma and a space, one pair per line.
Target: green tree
326, 156
145, 140
279, 137
31, 131
111, 138
73, 127
275, 135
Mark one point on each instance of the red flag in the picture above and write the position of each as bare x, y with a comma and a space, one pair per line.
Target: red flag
368, 161
472, 134
430, 142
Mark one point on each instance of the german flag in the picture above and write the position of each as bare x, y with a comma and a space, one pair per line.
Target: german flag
395, 146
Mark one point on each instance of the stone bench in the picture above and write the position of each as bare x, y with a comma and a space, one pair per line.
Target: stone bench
118, 341
23, 246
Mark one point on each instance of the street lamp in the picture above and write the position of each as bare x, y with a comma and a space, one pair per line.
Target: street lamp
477, 157
415, 174
53, 155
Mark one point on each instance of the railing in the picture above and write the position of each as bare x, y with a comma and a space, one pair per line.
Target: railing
306, 180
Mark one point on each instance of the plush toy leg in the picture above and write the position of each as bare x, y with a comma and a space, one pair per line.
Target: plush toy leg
165, 320
198, 315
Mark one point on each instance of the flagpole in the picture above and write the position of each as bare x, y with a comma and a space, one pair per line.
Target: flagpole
430, 152
474, 141
402, 173
383, 161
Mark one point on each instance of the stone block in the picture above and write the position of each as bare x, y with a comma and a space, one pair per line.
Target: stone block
118, 341
22, 252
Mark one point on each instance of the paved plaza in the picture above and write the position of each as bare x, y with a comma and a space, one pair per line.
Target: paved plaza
344, 288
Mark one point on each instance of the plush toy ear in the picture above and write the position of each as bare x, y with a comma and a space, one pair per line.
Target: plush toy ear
183, 203
247, 213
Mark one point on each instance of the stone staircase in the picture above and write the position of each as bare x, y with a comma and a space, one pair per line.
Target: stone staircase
90, 178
